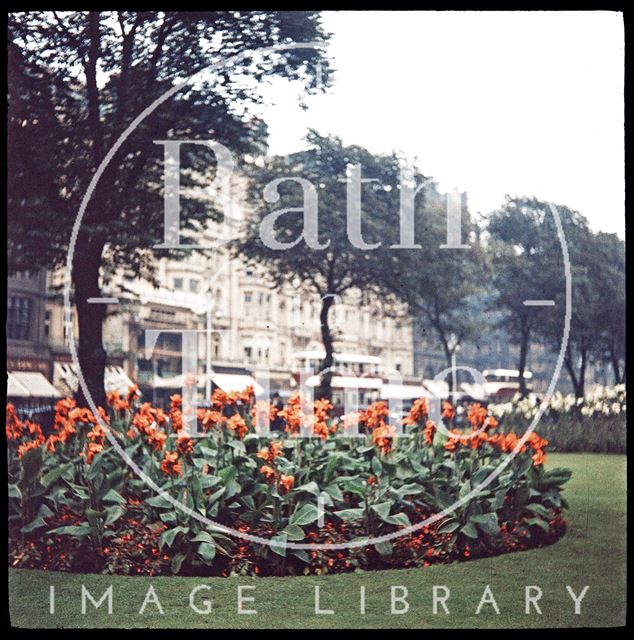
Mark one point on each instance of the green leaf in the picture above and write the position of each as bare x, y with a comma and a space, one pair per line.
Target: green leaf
349, 514
355, 486
278, 544
309, 487
114, 496
31, 464
488, 522
539, 523
410, 489
215, 496
399, 518
538, 509
203, 536
77, 531
169, 535
382, 509
207, 551
14, 491
113, 514
384, 548
470, 531
449, 526
177, 562
38, 523
55, 473
294, 532
334, 491
301, 554
305, 514
159, 502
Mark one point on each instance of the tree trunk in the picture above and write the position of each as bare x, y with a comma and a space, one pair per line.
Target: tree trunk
581, 391
90, 317
524, 347
449, 360
616, 367
577, 381
325, 389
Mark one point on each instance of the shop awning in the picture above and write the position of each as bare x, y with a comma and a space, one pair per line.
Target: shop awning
115, 378
437, 388
15, 389
30, 384
403, 392
348, 382
175, 382
236, 382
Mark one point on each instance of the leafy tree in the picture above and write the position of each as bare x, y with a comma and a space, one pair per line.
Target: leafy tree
333, 265
443, 286
527, 264
609, 270
77, 80
597, 328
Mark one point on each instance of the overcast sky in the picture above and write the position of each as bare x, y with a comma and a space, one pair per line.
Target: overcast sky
526, 103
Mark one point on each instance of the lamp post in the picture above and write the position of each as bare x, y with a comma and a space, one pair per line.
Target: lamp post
208, 352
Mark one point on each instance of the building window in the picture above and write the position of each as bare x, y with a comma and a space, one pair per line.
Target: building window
248, 297
194, 285
248, 353
47, 323
178, 284
18, 318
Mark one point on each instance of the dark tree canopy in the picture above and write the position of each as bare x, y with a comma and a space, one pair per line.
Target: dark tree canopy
77, 80
340, 266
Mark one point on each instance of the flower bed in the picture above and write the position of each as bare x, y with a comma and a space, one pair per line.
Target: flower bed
75, 505
595, 423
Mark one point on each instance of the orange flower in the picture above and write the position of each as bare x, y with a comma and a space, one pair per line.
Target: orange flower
271, 452
220, 399
372, 480
14, 426
447, 410
476, 415
351, 421
27, 446
248, 395
417, 413
171, 465
52, 441
92, 449
185, 445
267, 471
286, 482
133, 393
455, 438
210, 418
320, 417
375, 415
157, 439
263, 409
428, 433
237, 425
382, 437
114, 399
293, 414
539, 457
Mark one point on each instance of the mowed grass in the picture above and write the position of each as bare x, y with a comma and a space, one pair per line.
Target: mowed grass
593, 553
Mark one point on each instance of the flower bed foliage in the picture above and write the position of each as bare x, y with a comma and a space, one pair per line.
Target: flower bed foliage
75, 505
595, 423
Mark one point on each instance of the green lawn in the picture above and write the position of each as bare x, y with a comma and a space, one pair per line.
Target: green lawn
592, 553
